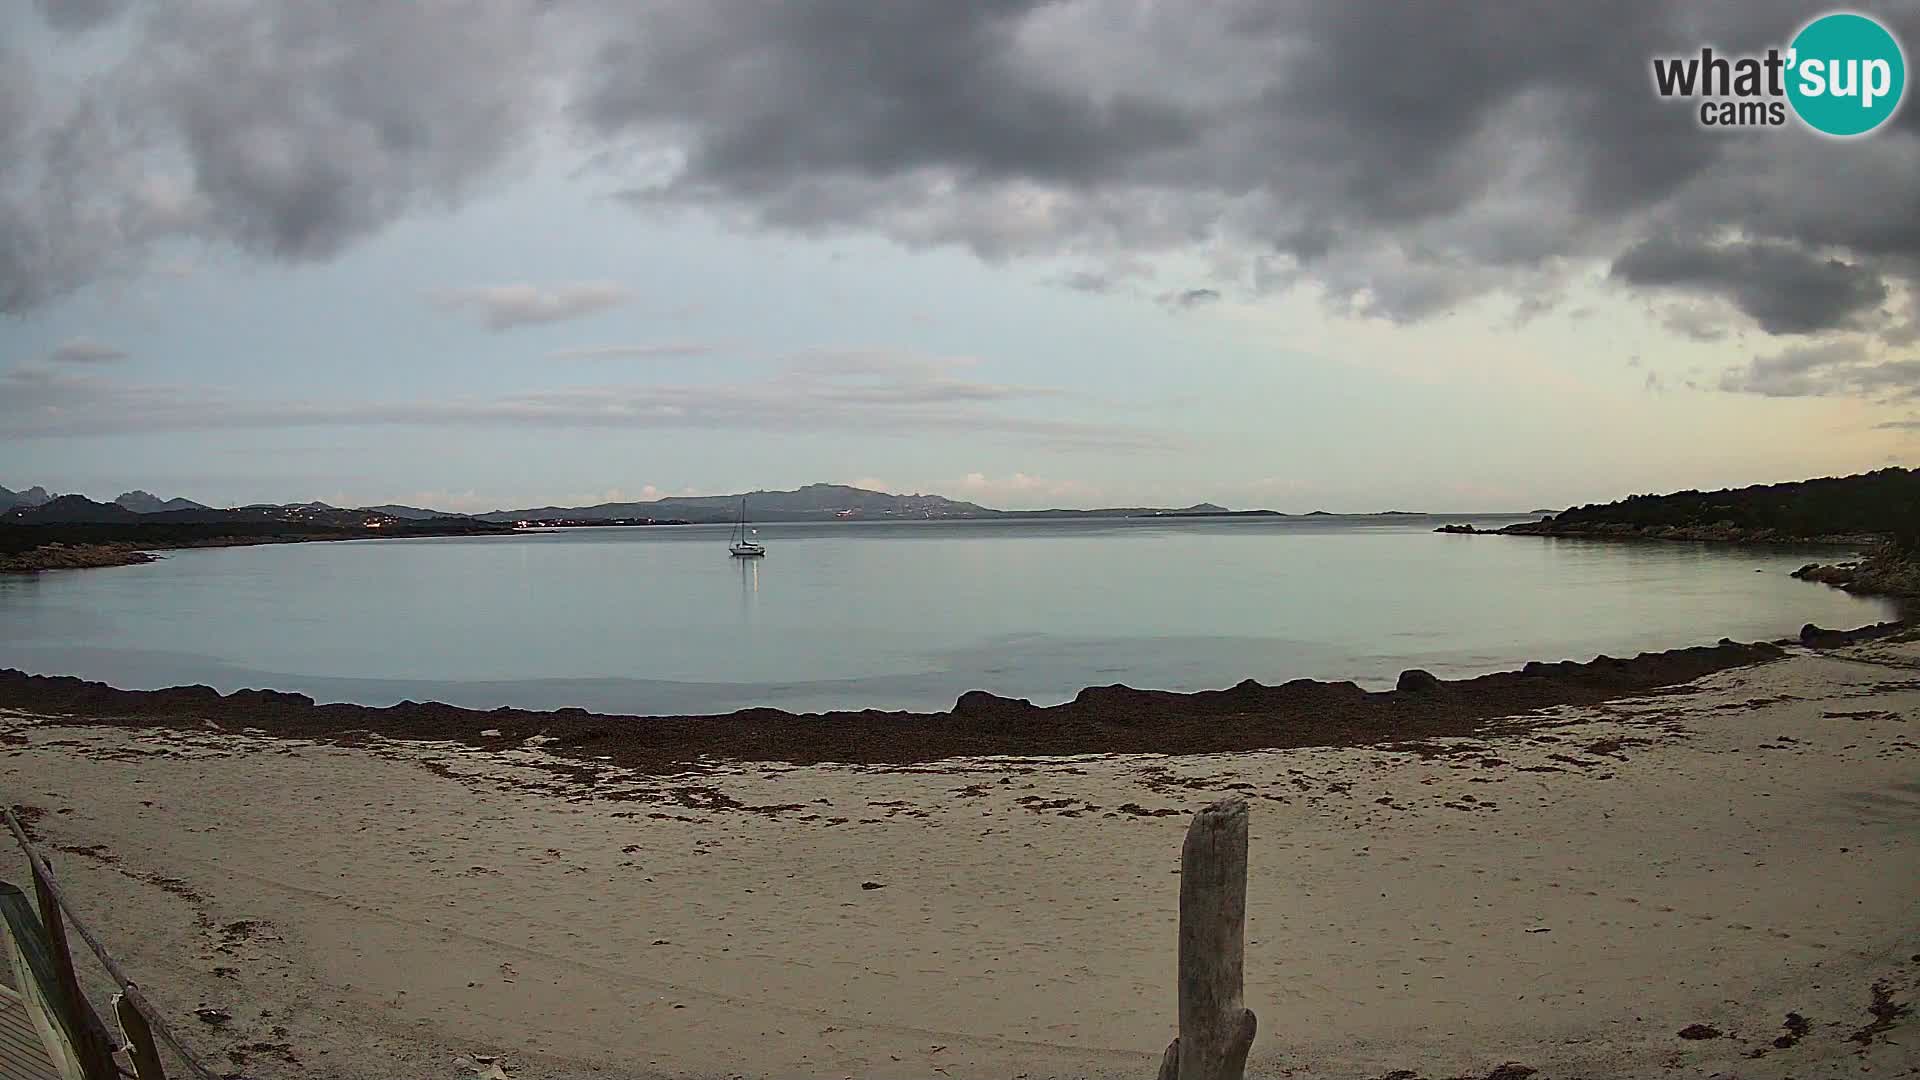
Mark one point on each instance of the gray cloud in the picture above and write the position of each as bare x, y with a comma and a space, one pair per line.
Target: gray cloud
1088, 281
1695, 321
875, 91
1401, 161
1188, 299
73, 15
287, 130
503, 307
86, 351
873, 392
1783, 288
1829, 369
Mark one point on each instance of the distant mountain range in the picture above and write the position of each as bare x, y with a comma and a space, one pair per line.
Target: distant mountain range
814, 502
141, 502
78, 509
33, 496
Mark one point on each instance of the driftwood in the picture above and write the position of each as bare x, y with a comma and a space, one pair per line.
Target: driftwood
1216, 1030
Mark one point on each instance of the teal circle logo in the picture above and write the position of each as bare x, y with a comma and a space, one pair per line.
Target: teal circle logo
1846, 74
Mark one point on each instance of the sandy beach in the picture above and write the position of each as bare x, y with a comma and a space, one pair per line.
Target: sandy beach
1566, 890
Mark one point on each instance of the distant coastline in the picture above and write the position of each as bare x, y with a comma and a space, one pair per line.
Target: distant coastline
810, 503
1705, 534
87, 545
71, 532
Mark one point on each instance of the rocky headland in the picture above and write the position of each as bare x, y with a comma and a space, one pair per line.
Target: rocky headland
1718, 533
1877, 513
29, 546
1887, 571
1721, 532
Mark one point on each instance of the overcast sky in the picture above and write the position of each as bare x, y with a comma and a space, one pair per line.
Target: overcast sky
1353, 256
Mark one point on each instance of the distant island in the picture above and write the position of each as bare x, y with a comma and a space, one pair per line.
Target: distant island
820, 502
1878, 511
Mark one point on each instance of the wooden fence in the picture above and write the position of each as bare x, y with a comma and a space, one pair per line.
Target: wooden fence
80, 1045
1216, 1029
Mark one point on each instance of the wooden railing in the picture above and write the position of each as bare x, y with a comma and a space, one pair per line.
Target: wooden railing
87, 1043
1216, 1029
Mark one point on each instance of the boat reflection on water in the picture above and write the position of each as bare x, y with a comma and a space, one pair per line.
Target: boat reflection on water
749, 593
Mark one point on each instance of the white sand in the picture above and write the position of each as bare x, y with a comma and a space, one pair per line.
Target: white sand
1442, 916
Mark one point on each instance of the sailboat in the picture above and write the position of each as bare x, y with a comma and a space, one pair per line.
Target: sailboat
743, 545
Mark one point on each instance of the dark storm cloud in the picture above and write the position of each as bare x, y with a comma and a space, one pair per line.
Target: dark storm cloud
1404, 158
774, 92
310, 125
1400, 159
1783, 288
286, 130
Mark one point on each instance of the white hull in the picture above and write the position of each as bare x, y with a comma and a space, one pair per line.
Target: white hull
748, 551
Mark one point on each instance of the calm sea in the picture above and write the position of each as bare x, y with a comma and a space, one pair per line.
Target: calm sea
890, 615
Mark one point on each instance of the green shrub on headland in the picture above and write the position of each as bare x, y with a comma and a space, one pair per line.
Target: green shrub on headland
1885, 504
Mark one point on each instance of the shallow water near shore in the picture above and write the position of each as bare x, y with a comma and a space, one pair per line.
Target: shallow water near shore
892, 615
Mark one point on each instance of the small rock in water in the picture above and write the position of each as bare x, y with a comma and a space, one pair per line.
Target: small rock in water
870, 885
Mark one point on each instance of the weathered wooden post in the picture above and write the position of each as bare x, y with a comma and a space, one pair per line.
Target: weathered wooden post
145, 1055
1216, 1030
90, 1044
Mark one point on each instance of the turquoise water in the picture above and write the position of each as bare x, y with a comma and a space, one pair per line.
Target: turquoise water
890, 615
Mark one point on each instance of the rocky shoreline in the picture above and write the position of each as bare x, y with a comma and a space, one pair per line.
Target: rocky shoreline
1882, 573
73, 557
1716, 534
1713, 534
87, 546
1100, 720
